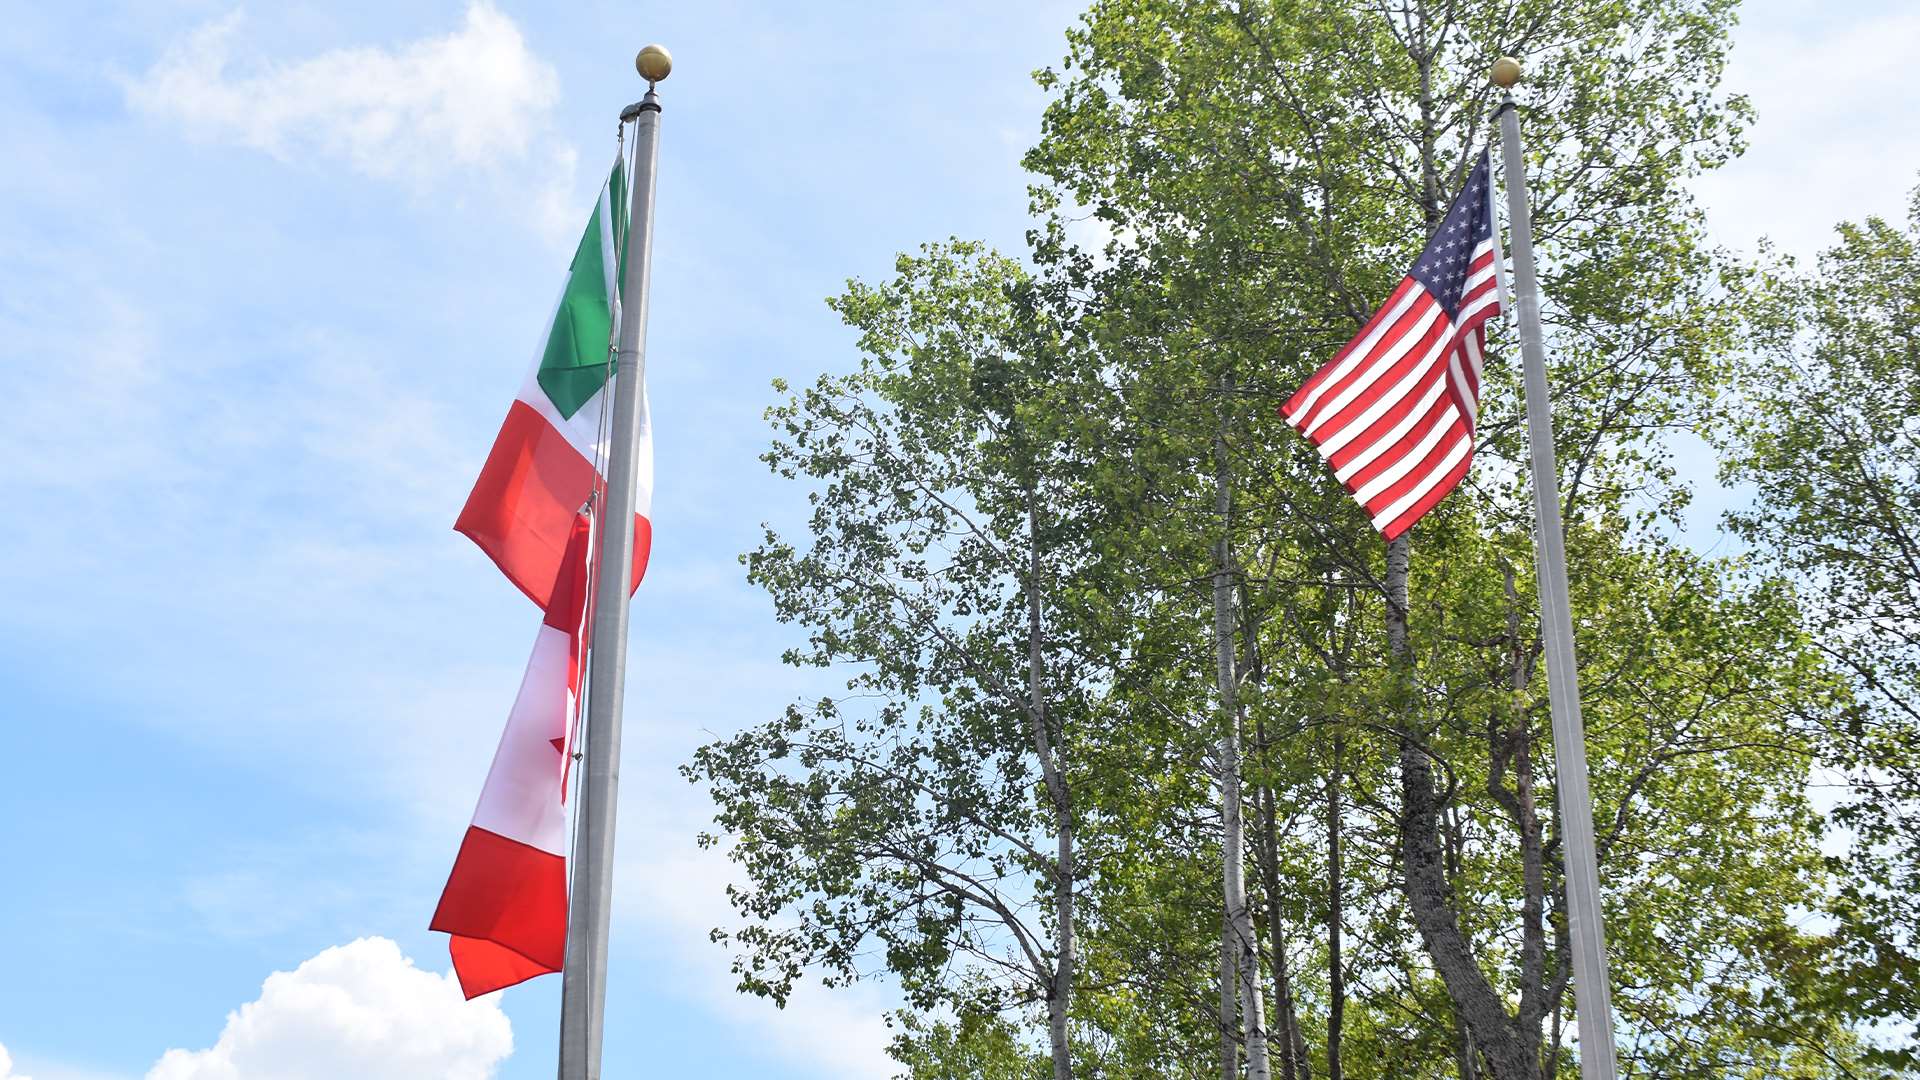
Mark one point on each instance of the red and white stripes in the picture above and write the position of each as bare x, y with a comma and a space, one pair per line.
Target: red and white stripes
506, 900
1393, 412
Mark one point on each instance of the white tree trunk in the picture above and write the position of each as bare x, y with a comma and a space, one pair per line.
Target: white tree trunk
1239, 920
1060, 979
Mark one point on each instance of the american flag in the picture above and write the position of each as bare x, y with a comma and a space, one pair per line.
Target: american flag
1393, 412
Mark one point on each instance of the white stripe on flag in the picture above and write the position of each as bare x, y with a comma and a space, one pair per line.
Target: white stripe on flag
1392, 438
1359, 353
1392, 397
1378, 364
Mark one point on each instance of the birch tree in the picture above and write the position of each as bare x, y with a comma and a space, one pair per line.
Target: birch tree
1824, 424
930, 811
1056, 518
1268, 170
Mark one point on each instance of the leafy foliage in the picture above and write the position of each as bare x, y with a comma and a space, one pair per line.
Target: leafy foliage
1826, 428
1024, 496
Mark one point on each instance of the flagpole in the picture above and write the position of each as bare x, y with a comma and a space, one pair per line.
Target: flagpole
583, 990
1592, 999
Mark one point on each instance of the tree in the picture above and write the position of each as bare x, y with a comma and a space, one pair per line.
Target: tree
1824, 425
975, 1047
928, 811
1266, 171
1056, 518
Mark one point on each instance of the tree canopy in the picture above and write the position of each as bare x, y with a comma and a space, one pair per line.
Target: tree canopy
1110, 622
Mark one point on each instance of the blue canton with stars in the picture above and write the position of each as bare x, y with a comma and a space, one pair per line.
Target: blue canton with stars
1443, 266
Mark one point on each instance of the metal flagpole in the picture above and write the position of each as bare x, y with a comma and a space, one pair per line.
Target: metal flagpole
584, 980
1592, 1000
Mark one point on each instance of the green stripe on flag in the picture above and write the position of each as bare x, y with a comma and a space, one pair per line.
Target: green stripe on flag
577, 359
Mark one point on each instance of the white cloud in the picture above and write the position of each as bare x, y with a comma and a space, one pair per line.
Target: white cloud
474, 97
1833, 139
6, 1066
361, 1010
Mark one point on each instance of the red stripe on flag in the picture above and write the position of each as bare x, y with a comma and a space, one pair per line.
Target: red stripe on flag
1478, 291
1440, 491
1299, 397
1477, 321
508, 901
1417, 476
522, 507
1372, 440
1421, 362
1402, 446
1415, 359
1367, 371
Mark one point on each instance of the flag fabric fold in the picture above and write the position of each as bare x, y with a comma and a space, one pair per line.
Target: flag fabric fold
505, 903
537, 512
1393, 412
546, 460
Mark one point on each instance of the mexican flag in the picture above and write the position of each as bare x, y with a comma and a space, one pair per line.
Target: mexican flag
506, 901
552, 449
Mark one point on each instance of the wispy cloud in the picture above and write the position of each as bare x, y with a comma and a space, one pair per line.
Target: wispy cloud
473, 97
473, 103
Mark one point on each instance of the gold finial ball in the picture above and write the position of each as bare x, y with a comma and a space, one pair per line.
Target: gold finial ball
654, 63
1506, 72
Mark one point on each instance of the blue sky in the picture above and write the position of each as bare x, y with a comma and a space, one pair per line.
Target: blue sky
268, 279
